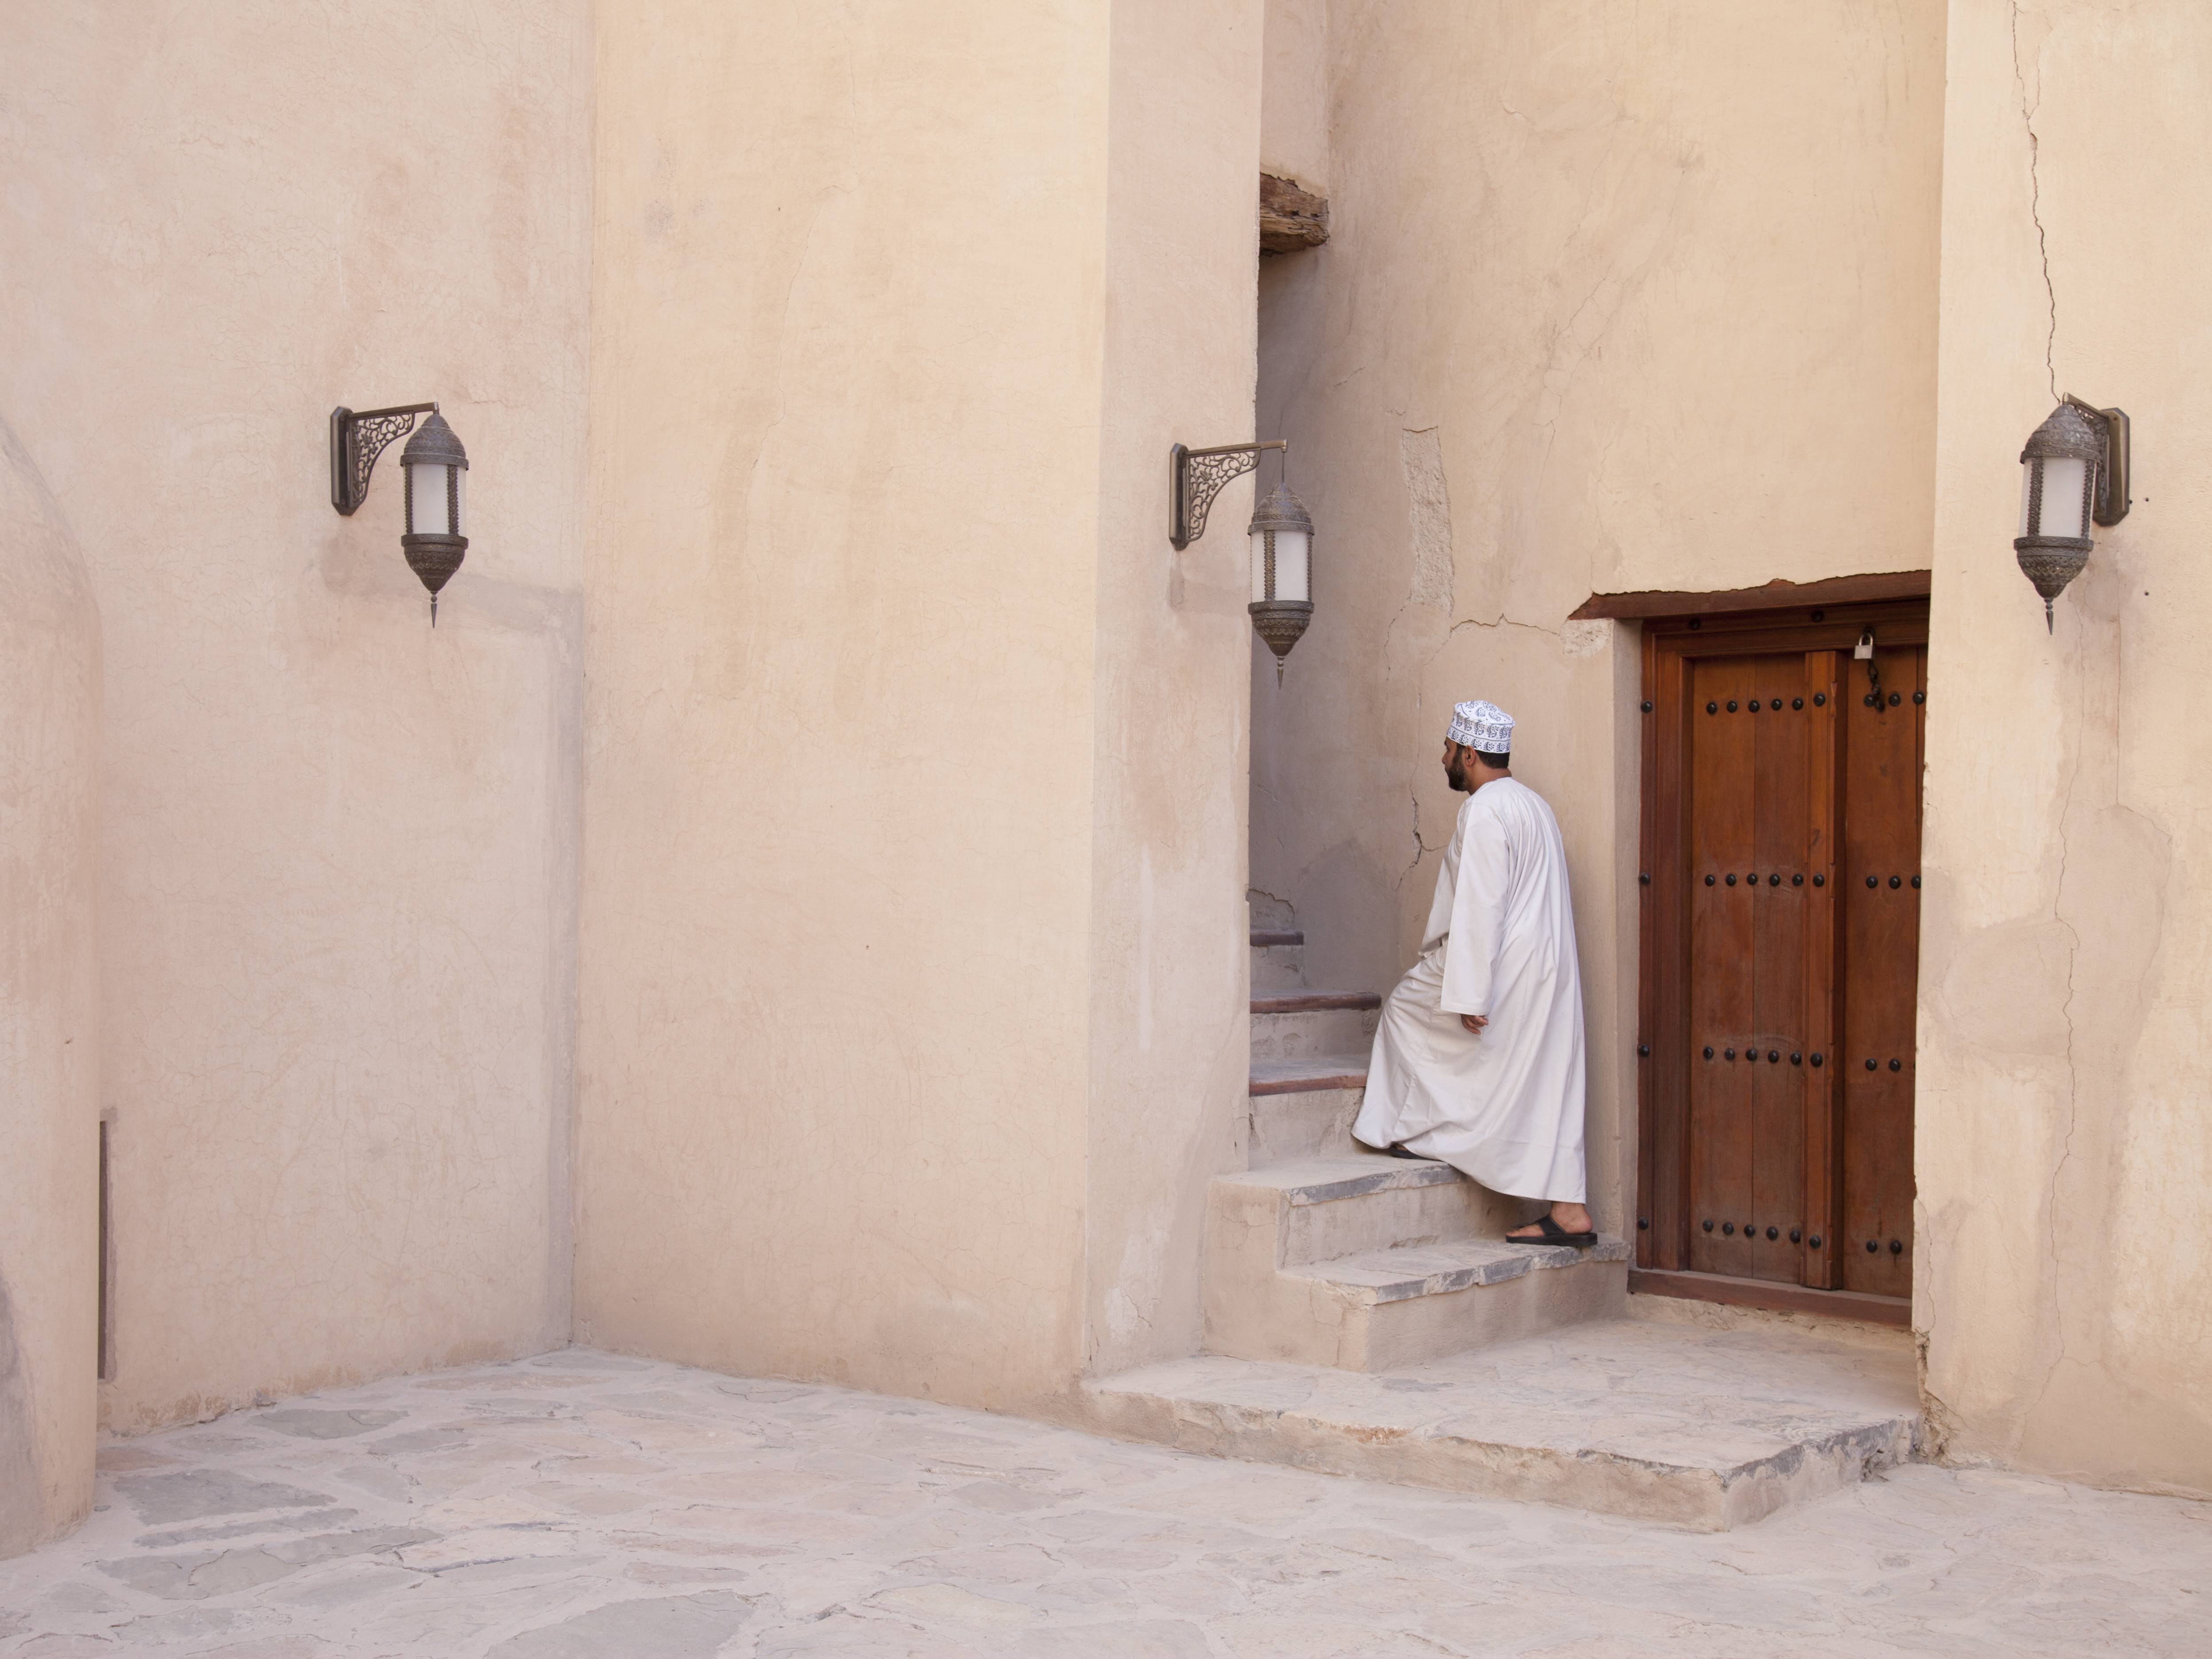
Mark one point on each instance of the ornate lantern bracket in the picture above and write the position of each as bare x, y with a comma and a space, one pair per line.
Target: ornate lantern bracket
357, 438
436, 468
1195, 477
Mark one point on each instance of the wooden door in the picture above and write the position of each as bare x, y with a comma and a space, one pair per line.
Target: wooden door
1780, 943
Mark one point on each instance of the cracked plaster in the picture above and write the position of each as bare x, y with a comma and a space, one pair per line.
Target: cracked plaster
2060, 1286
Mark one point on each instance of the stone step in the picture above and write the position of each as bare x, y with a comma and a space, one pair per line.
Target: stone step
1377, 1310
1283, 1215
1369, 1262
1278, 958
1691, 1427
1303, 1123
1303, 1109
1295, 1023
1290, 1077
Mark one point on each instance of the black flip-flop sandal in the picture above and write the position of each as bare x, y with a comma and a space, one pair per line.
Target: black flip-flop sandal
1553, 1234
1397, 1151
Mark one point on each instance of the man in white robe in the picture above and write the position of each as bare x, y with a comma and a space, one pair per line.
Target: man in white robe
1477, 1062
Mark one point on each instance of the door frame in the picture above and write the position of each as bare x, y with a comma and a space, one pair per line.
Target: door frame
1673, 636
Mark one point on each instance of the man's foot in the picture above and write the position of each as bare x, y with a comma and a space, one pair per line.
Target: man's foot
1567, 1224
1397, 1151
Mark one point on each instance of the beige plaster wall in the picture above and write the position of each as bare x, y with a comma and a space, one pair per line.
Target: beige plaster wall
1170, 963
337, 868
2063, 1140
913, 1005
48, 1012
842, 604
1616, 298
1294, 92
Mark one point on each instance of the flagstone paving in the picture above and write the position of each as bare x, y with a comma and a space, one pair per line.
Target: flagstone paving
581, 1504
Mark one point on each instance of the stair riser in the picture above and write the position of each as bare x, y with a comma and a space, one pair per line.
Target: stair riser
1252, 1230
1303, 1322
1313, 1031
1279, 967
1380, 1221
1702, 1500
1316, 1122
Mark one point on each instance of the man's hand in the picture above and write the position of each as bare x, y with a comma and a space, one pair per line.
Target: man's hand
1475, 1022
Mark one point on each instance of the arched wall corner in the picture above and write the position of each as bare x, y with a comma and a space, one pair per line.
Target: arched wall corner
49, 1013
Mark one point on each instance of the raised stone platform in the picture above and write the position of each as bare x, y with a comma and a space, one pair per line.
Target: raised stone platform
1694, 1428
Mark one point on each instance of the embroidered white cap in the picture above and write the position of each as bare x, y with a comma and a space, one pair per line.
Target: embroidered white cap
1482, 726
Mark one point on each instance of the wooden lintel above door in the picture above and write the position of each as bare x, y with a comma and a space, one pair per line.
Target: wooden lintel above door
1774, 595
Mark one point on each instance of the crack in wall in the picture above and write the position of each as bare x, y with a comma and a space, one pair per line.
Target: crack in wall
1421, 848
2035, 200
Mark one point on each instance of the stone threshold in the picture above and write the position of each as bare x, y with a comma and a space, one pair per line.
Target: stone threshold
1703, 1430
1772, 1295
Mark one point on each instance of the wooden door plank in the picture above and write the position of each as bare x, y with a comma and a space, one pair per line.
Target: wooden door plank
1669, 1140
1880, 908
1654, 886
1823, 1125
1719, 819
1778, 714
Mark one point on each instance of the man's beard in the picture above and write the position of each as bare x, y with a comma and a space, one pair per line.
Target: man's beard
1456, 772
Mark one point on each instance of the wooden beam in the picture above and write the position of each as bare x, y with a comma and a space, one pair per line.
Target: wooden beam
1290, 219
1775, 596
1772, 1295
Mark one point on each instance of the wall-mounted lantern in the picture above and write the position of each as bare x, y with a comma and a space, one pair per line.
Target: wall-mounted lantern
2074, 472
1281, 531
437, 469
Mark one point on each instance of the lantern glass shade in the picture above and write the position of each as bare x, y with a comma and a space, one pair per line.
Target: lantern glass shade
2061, 506
432, 503
1282, 563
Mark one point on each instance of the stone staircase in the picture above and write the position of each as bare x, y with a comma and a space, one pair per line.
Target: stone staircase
1364, 1314
1324, 1252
